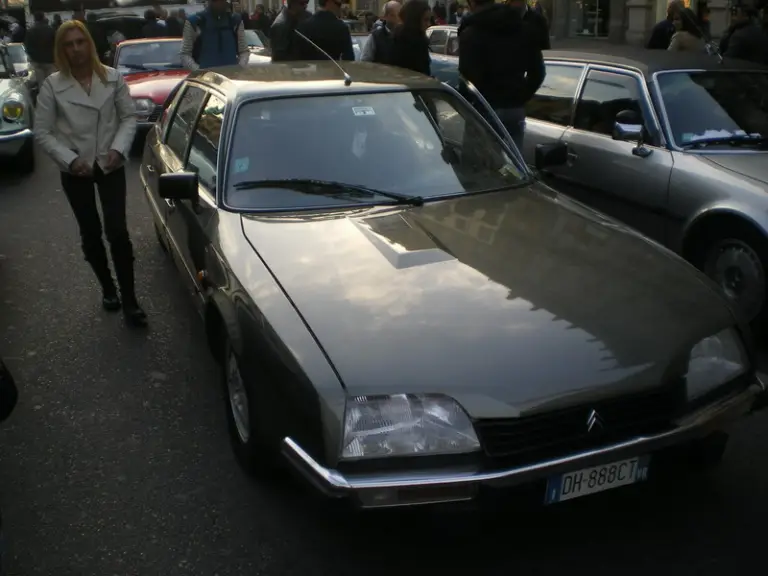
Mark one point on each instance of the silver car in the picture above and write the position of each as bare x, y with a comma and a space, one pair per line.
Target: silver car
673, 144
16, 115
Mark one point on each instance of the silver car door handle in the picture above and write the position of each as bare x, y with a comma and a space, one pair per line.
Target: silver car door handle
573, 156
171, 204
150, 168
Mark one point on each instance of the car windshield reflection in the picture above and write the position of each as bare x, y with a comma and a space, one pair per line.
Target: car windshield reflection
145, 56
417, 144
717, 108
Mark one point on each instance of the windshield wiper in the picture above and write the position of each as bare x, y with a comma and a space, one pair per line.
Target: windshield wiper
728, 141
311, 186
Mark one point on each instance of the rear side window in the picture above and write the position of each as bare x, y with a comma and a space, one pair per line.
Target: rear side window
184, 120
606, 94
437, 40
553, 102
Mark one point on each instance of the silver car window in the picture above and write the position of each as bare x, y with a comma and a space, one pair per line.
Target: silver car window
553, 101
205, 143
605, 94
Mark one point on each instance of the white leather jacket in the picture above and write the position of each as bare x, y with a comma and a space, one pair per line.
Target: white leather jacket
71, 123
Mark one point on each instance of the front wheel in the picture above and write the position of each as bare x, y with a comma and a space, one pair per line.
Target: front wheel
737, 261
256, 455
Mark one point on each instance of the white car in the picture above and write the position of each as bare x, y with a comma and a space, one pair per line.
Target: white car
16, 115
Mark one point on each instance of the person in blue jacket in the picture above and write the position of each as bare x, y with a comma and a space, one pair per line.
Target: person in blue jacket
214, 37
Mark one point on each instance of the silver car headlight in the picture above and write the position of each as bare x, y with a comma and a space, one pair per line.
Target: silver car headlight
144, 107
13, 107
714, 361
406, 425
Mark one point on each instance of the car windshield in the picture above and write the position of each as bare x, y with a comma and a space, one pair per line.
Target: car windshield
358, 41
149, 56
413, 144
253, 39
719, 107
17, 55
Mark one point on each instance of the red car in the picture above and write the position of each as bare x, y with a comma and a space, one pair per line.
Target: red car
152, 69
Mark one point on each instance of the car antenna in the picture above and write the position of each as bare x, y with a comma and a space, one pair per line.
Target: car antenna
347, 77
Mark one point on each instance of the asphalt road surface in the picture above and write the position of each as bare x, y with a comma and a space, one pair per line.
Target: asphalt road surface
116, 461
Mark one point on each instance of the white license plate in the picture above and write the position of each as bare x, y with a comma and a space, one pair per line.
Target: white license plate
597, 479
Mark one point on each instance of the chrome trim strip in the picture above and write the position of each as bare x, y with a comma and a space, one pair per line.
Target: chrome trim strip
334, 484
23, 134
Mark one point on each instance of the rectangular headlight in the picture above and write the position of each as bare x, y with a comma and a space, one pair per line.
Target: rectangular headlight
406, 425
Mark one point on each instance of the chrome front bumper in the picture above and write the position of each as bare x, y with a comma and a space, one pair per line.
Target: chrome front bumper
11, 143
430, 487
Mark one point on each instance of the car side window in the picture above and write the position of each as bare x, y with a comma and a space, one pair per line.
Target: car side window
205, 143
168, 107
437, 40
183, 120
605, 94
553, 101
453, 45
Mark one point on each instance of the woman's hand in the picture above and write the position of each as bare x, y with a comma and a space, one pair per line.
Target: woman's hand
80, 167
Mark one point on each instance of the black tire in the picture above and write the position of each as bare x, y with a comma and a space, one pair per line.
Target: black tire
258, 453
25, 160
733, 236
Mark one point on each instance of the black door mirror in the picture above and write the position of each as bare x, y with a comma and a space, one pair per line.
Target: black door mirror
178, 186
550, 155
628, 126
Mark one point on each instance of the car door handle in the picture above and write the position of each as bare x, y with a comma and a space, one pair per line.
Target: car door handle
573, 156
150, 168
171, 204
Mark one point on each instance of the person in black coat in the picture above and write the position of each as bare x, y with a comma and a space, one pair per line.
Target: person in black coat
152, 28
283, 40
661, 35
328, 32
410, 46
745, 39
536, 20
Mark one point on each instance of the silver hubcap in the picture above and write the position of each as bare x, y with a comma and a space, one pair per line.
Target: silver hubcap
739, 272
238, 399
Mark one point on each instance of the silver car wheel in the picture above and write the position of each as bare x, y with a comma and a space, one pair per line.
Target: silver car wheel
738, 270
238, 399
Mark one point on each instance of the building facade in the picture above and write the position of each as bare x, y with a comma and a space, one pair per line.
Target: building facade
622, 21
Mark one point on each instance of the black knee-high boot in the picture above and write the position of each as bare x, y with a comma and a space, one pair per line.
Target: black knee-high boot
123, 259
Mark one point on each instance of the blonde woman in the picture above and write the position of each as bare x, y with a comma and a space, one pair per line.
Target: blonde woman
85, 121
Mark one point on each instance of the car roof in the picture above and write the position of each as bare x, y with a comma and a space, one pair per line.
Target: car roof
148, 40
648, 62
308, 78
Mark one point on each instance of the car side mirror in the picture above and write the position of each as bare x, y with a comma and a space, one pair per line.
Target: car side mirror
628, 126
178, 186
550, 155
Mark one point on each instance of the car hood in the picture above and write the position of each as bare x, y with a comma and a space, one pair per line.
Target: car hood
155, 85
509, 302
751, 164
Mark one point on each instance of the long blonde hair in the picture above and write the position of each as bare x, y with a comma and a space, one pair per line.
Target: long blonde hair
60, 56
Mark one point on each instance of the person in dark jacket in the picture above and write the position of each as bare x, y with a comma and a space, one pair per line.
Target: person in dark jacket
536, 20
98, 34
283, 40
173, 25
410, 46
328, 32
39, 45
378, 48
152, 28
501, 55
745, 38
56, 22
662, 33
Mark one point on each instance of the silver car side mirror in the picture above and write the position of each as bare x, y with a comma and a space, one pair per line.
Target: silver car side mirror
627, 132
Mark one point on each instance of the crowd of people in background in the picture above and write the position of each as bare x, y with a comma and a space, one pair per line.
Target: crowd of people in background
688, 31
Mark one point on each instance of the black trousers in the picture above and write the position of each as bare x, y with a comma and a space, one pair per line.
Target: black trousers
81, 195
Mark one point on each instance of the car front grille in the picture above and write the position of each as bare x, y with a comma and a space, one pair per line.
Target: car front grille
560, 432
153, 117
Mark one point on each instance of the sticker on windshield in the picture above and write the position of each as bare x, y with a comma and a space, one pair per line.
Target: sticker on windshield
358, 144
241, 165
363, 111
